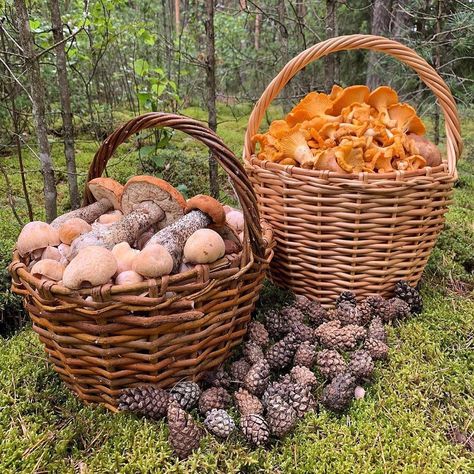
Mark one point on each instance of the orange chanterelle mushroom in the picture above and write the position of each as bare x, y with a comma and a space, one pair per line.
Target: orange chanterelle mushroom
350, 130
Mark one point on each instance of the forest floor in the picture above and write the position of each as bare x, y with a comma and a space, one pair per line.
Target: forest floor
421, 400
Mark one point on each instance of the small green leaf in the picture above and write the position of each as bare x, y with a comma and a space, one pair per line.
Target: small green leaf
34, 25
141, 67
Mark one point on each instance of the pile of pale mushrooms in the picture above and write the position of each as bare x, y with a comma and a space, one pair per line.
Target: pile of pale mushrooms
145, 229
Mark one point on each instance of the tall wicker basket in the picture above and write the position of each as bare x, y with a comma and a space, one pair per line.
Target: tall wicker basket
360, 232
104, 339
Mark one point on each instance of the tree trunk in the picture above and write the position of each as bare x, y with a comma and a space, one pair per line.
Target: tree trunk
258, 20
330, 60
39, 116
380, 26
211, 91
177, 17
65, 98
399, 19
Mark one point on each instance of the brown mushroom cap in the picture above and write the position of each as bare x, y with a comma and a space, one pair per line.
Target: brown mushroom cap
204, 246
48, 268
125, 256
236, 220
52, 253
209, 206
92, 266
106, 188
36, 235
72, 229
153, 261
128, 277
142, 189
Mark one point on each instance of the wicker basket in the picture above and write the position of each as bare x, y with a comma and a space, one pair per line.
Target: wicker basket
360, 232
158, 331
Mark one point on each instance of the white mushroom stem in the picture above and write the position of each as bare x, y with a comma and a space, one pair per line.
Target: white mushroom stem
89, 213
127, 229
174, 237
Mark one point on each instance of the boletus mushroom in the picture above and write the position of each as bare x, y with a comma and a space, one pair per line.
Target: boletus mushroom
35, 237
146, 200
201, 211
204, 246
107, 193
92, 266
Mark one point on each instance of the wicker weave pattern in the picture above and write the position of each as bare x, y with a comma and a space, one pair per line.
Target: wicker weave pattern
360, 232
104, 339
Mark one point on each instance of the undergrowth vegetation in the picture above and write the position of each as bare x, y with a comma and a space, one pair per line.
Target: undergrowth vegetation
423, 393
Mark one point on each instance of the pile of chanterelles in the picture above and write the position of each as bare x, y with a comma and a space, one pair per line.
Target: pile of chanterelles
349, 131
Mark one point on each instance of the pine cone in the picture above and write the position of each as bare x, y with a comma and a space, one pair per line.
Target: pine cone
344, 338
301, 399
338, 394
280, 387
377, 330
376, 303
365, 313
302, 303
410, 295
303, 376
305, 355
330, 363
327, 326
291, 314
252, 352
247, 403
281, 353
281, 417
317, 314
214, 398
377, 349
186, 394
258, 334
347, 313
346, 296
255, 429
397, 309
361, 365
276, 324
257, 377
184, 434
301, 331
239, 369
219, 423
216, 378
146, 400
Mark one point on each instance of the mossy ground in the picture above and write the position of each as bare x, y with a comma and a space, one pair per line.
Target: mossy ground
402, 425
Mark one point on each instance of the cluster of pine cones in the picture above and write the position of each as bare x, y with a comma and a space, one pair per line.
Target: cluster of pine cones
297, 356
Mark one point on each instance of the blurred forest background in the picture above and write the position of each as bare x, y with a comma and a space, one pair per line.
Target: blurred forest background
73, 70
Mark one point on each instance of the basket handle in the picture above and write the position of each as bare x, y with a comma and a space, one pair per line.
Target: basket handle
205, 135
376, 43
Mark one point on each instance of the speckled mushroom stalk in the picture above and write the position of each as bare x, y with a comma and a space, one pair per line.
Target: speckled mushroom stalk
146, 200
202, 211
108, 194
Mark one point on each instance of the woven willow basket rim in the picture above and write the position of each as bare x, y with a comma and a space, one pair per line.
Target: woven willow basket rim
427, 74
257, 243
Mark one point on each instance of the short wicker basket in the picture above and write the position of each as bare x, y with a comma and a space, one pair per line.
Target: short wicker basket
159, 331
353, 232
